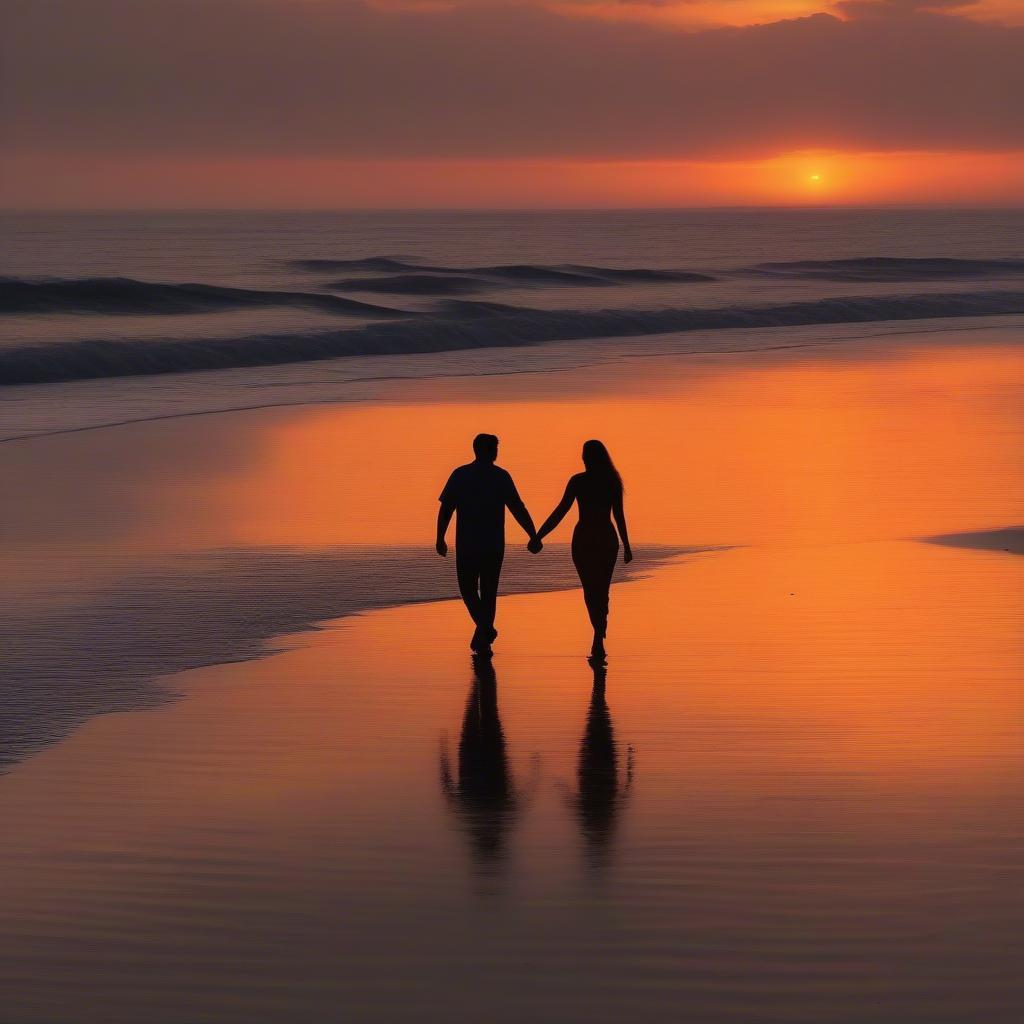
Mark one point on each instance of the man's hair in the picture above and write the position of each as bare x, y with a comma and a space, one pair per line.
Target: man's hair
485, 446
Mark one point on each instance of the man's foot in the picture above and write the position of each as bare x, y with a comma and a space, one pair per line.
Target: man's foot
597, 651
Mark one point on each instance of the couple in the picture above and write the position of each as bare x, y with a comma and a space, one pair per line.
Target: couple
481, 491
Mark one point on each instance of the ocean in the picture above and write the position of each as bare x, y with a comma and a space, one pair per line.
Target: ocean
108, 296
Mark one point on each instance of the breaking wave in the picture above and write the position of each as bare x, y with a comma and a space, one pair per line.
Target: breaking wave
889, 268
125, 295
380, 264
638, 275
525, 274
415, 284
462, 325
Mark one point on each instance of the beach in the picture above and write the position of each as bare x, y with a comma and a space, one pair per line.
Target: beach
512, 512
795, 796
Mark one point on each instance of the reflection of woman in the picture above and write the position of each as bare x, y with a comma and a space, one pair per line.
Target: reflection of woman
484, 797
595, 546
600, 796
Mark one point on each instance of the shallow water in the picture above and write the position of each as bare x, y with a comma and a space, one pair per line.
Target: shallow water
798, 800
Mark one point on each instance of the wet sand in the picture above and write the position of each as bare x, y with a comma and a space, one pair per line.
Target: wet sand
1010, 540
796, 797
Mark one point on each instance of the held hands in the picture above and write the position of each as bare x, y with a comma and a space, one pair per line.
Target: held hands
441, 547
534, 546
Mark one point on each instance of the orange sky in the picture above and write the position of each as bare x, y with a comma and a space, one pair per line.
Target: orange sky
798, 179
704, 13
512, 103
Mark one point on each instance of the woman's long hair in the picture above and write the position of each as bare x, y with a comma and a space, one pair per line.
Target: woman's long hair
599, 464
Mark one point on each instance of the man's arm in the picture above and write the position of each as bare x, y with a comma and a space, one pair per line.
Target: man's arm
449, 499
519, 513
444, 517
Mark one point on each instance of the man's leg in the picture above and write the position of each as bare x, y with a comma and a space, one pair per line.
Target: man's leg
467, 571
490, 573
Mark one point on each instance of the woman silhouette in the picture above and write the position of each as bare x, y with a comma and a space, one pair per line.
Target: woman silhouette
595, 545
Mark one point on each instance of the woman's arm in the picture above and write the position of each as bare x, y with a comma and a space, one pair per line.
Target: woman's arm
620, 521
560, 510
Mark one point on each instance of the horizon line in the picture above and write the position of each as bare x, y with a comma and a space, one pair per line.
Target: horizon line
739, 207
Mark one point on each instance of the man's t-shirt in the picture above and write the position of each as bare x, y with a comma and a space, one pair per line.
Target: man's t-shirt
480, 491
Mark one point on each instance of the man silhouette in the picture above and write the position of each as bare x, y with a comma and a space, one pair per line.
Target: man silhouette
480, 492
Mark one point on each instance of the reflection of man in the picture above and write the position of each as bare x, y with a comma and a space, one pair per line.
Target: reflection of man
484, 793
480, 492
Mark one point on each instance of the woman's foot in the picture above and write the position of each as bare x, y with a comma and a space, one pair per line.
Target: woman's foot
597, 651
483, 637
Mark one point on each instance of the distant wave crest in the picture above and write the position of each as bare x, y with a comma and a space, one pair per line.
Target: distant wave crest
863, 268
125, 295
890, 268
496, 275
379, 264
462, 325
414, 284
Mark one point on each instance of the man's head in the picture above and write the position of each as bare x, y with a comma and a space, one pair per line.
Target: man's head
485, 447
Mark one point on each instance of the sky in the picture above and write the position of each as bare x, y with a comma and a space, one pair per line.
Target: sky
532, 103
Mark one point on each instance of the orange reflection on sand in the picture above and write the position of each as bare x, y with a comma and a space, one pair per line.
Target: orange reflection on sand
895, 658
815, 706
823, 451
893, 665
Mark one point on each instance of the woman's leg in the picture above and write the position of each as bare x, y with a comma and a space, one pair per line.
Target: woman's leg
595, 563
601, 593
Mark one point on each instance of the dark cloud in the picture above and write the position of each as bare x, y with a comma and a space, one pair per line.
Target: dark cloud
298, 77
895, 8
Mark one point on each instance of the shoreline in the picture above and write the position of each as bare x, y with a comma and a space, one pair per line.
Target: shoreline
161, 545
1009, 539
122, 644
350, 379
